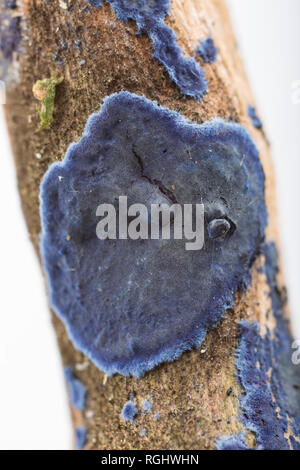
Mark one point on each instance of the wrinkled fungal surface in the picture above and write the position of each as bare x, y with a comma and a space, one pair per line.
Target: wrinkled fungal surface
132, 304
207, 51
150, 19
271, 400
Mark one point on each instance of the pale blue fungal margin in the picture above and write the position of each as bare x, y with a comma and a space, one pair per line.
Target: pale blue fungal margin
150, 19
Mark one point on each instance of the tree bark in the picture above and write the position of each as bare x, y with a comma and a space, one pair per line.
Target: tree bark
199, 396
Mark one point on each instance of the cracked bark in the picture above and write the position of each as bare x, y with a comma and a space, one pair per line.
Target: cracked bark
191, 394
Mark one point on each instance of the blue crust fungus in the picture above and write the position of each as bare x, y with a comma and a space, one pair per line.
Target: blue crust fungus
271, 401
80, 436
150, 19
255, 119
132, 304
129, 411
77, 391
207, 50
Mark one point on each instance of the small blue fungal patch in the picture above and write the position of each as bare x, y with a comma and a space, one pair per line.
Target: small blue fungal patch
10, 34
157, 416
130, 305
78, 45
80, 437
143, 432
77, 391
255, 119
150, 19
147, 406
129, 411
207, 50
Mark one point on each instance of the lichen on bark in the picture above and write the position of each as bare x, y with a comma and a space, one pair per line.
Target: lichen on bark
44, 91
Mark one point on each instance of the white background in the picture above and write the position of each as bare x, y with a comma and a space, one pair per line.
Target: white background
33, 402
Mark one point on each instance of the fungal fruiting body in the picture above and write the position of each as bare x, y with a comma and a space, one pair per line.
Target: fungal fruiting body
150, 19
270, 403
255, 119
80, 435
207, 50
147, 406
129, 411
132, 304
